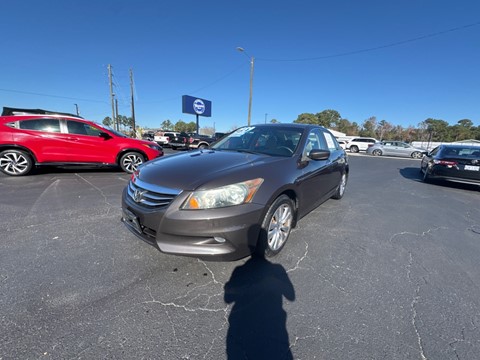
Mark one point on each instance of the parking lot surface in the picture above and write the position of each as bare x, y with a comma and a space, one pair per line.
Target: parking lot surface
389, 272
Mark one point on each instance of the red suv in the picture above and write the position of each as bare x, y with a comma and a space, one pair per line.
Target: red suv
31, 138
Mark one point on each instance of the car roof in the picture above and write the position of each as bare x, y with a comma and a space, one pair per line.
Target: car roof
9, 111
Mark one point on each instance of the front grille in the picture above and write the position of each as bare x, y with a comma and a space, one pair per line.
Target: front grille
149, 198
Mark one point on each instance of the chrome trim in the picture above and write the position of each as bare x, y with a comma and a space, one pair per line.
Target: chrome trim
159, 197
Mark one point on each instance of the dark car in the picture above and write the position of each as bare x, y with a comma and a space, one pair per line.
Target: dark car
242, 195
35, 137
453, 162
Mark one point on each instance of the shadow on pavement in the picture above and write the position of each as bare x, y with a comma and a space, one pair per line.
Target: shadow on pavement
257, 320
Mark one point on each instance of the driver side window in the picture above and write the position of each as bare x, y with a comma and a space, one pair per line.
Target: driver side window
315, 140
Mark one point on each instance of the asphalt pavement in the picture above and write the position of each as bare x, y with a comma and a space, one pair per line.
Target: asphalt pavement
388, 272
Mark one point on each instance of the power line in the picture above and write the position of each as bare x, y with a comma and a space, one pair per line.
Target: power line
398, 43
53, 96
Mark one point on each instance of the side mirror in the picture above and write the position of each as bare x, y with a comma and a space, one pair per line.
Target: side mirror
104, 135
317, 154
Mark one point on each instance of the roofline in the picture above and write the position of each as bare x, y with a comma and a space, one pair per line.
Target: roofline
8, 111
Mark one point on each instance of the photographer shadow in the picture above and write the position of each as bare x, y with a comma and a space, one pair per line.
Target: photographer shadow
257, 320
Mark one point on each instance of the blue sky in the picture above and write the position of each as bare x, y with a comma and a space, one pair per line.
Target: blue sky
400, 61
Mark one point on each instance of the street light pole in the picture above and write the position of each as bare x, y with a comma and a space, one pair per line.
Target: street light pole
252, 65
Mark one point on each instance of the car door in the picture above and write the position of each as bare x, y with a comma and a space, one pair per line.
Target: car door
388, 148
44, 138
318, 177
87, 145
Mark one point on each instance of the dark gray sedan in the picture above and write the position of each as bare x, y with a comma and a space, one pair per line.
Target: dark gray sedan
243, 195
395, 148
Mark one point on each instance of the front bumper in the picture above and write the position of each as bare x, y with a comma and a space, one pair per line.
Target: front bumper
216, 234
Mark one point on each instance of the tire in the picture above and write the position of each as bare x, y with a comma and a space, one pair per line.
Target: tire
354, 149
130, 161
276, 227
377, 152
202, 146
15, 162
426, 177
416, 155
341, 187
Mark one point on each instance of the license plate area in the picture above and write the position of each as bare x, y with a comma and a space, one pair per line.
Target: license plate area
472, 168
132, 220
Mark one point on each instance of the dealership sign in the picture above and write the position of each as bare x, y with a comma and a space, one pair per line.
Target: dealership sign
196, 106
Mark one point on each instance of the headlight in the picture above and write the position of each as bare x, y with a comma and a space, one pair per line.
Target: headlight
154, 146
229, 195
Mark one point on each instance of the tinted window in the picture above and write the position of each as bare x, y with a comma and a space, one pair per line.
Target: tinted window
47, 125
80, 128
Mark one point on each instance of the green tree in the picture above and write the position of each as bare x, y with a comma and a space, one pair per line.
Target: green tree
274, 121
346, 127
107, 121
306, 118
437, 130
368, 127
180, 126
167, 125
328, 118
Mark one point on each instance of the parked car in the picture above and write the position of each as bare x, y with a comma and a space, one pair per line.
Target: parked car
360, 144
395, 148
35, 137
243, 195
161, 139
343, 144
452, 162
191, 141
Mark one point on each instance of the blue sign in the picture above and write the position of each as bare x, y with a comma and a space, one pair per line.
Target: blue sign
196, 106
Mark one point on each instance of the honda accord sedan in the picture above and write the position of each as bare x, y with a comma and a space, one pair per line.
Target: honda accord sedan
243, 195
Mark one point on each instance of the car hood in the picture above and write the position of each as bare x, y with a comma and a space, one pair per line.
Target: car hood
190, 170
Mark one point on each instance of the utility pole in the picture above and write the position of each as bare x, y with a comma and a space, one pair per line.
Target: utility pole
116, 117
78, 112
112, 95
133, 105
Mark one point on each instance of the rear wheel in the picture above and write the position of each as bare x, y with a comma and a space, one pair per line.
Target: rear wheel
130, 161
354, 149
276, 227
15, 162
341, 187
377, 152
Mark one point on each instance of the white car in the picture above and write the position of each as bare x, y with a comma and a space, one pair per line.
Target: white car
360, 144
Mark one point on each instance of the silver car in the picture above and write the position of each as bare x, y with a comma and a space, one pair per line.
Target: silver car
395, 148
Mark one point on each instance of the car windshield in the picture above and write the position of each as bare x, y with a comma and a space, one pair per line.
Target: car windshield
268, 140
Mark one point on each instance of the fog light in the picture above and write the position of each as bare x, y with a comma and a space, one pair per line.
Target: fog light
219, 239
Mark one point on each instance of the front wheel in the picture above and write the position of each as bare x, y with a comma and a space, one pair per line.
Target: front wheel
426, 177
130, 161
276, 227
15, 162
